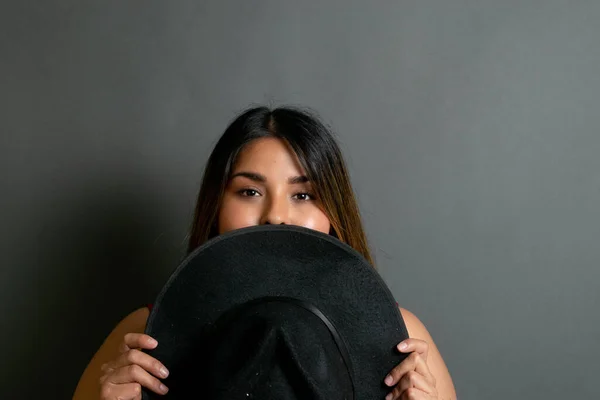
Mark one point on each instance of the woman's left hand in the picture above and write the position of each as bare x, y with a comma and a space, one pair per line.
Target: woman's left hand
411, 378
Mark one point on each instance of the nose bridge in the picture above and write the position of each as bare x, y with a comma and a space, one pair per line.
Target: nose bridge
277, 210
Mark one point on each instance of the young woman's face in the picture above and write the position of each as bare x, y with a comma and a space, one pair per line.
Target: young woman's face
268, 186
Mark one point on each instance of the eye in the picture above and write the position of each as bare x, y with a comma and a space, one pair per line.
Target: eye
303, 196
249, 193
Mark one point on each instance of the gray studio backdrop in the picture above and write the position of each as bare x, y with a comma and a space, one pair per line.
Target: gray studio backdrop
471, 129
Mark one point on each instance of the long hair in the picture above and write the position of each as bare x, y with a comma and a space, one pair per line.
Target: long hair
317, 152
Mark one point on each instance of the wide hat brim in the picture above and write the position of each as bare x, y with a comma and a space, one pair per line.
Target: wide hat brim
287, 261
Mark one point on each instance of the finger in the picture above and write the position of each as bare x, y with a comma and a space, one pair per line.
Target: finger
414, 345
106, 368
142, 359
137, 341
135, 373
413, 379
409, 364
422, 368
415, 394
410, 393
127, 391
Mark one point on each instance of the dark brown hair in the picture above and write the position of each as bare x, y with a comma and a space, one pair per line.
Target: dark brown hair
318, 153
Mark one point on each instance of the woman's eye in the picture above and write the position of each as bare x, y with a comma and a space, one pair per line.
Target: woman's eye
303, 196
248, 192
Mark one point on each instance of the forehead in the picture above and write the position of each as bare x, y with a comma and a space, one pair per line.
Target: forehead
268, 154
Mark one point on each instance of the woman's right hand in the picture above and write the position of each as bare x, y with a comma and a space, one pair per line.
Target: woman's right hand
124, 377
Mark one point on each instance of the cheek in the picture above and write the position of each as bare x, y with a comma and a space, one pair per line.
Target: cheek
316, 219
234, 215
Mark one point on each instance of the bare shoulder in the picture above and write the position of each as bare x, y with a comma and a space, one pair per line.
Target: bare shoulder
135, 321
88, 386
416, 329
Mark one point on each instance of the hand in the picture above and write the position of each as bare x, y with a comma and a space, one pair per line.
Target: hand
412, 378
124, 377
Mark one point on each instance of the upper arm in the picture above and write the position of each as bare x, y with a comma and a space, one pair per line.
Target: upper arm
437, 366
88, 386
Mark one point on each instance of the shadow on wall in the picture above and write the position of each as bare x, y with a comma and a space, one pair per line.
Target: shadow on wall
102, 250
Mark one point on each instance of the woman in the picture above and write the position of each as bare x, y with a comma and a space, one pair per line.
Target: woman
277, 166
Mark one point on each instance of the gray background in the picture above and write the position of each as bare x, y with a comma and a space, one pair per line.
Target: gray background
470, 127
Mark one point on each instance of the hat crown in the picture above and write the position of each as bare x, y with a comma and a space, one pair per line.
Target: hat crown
277, 348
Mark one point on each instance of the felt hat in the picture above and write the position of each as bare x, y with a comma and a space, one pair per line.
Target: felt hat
275, 312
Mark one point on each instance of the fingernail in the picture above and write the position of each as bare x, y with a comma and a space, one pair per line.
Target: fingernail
164, 372
163, 388
389, 380
402, 346
152, 342
389, 397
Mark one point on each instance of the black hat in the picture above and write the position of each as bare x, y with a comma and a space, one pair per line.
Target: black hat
275, 312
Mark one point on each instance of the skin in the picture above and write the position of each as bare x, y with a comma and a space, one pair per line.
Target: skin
268, 186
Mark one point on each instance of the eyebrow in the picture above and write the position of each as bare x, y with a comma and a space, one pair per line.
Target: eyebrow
262, 179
